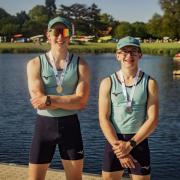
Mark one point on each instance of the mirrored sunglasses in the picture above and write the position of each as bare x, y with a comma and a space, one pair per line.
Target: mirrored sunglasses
64, 32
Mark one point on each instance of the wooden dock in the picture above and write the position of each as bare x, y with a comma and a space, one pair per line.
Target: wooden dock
20, 172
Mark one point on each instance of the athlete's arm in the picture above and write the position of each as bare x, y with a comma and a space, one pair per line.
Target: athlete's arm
152, 113
105, 110
35, 84
75, 101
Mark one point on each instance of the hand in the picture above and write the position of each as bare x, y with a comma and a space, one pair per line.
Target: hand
128, 161
121, 148
38, 102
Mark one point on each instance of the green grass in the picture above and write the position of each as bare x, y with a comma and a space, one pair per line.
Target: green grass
169, 49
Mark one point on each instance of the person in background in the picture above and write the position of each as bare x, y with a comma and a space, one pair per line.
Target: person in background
128, 114
58, 83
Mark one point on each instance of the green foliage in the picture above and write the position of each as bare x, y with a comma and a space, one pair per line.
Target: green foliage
39, 14
169, 23
139, 30
86, 19
33, 28
4, 14
123, 29
154, 26
51, 8
22, 17
90, 21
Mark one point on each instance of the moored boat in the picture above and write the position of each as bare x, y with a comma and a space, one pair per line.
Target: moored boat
177, 57
176, 72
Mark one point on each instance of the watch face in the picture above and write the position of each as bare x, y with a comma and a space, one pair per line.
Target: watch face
48, 101
133, 143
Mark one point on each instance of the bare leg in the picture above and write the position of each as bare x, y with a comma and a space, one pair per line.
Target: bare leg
138, 177
112, 175
37, 171
73, 169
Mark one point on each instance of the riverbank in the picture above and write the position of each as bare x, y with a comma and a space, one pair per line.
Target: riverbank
20, 172
168, 49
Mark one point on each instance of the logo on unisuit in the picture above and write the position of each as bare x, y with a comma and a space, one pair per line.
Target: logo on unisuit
116, 94
80, 152
145, 167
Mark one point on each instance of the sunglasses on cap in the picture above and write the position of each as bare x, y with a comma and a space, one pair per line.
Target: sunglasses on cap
64, 32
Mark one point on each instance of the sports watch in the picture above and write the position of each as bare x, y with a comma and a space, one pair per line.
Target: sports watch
133, 143
48, 101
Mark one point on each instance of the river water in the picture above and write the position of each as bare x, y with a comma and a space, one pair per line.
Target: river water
17, 116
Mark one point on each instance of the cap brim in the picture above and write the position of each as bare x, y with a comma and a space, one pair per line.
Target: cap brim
129, 44
58, 22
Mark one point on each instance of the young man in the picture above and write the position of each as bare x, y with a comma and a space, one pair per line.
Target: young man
128, 114
59, 86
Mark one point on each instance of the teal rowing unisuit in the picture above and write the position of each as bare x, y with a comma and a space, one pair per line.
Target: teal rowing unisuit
69, 83
123, 122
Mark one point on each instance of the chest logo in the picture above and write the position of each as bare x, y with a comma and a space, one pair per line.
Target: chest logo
46, 77
116, 94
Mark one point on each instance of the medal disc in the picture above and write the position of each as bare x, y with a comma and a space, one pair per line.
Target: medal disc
129, 109
59, 89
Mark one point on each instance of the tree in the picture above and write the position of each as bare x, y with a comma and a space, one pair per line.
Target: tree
123, 29
139, 30
32, 28
51, 8
39, 14
171, 17
8, 24
37, 23
9, 30
3, 14
154, 26
21, 18
94, 19
78, 15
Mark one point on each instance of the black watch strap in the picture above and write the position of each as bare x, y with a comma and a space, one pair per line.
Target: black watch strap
133, 143
48, 101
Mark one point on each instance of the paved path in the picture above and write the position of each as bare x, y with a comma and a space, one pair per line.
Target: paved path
19, 172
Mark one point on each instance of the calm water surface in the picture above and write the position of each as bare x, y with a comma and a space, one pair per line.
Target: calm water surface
17, 116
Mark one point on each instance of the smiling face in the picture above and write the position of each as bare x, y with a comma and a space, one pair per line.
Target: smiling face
129, 56
58, 36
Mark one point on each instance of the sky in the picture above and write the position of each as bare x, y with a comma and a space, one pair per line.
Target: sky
121, 10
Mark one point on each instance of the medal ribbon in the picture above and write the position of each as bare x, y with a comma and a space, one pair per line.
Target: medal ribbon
128, 100
59, 80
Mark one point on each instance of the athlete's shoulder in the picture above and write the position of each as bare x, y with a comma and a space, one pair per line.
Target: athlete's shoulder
33, 62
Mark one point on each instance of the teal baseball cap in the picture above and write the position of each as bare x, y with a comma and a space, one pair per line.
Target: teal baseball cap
128, 41
61, 20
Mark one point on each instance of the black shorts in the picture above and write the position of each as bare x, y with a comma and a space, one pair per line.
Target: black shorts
50, 131
141, 153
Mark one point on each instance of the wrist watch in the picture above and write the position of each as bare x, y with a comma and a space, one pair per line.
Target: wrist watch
133, 143
48, 101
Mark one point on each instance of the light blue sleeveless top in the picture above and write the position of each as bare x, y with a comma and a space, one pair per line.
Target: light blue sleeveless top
123, 122
69, 83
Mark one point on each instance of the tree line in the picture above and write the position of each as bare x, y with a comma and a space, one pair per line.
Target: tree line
91, 21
